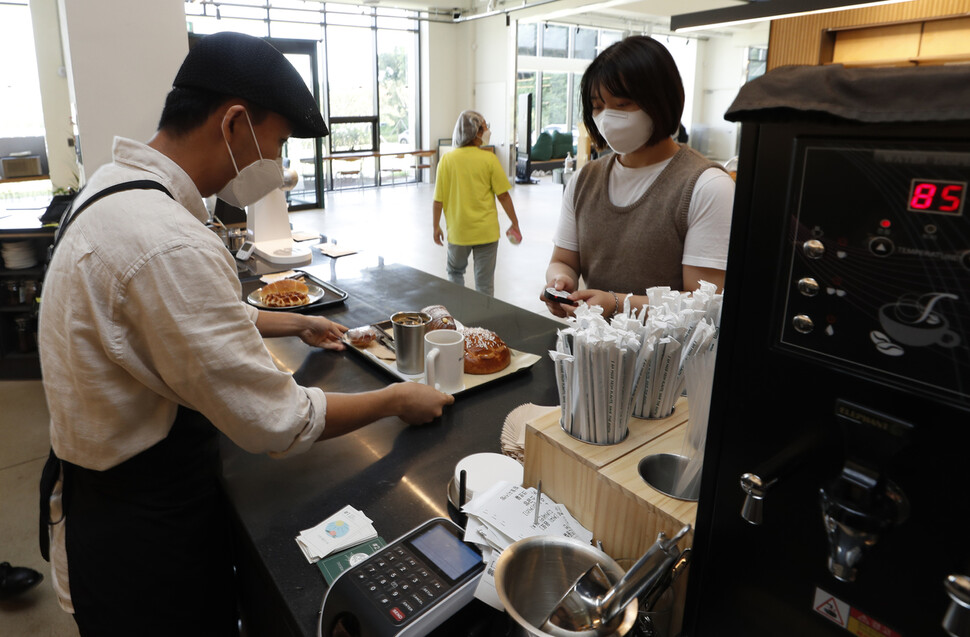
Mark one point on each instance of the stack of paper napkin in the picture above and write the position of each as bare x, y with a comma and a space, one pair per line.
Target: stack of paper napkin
346, 528
513, 432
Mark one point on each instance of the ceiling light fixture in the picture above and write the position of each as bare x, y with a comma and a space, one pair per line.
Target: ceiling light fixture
759, 11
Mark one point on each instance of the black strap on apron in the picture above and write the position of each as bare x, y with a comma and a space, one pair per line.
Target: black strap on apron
52, 468
72, 213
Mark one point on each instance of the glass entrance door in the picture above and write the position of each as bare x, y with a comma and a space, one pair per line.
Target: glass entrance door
304, 154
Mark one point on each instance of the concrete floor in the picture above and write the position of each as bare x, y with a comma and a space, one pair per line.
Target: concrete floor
391, 222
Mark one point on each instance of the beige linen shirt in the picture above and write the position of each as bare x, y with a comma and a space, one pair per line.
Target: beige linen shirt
141, 312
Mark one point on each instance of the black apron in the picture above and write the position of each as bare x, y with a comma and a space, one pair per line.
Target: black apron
148, 541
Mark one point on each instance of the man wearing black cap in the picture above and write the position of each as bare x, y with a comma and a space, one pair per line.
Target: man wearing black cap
147, 352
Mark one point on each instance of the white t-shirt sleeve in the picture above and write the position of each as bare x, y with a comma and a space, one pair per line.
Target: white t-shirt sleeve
709, 220
566, 235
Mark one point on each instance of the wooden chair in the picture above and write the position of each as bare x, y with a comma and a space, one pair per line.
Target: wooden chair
353, 168
424, 162
394, 170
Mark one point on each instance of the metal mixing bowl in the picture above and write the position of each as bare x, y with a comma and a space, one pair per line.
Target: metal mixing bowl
533, 574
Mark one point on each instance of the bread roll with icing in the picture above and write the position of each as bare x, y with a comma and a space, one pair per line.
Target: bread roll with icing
485, 352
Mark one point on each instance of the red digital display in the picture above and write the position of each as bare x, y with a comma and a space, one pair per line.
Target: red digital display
931, 195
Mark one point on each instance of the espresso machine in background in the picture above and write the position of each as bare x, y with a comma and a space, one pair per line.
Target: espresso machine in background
835, 495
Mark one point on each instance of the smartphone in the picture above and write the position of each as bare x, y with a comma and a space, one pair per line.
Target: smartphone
246, 250
558, 296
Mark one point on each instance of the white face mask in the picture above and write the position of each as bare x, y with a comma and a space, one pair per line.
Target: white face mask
624, 131
254, 181
486, 136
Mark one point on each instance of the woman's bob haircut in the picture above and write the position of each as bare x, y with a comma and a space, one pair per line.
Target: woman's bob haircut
640, 69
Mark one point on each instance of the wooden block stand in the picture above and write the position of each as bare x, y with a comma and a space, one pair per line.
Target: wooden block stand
603, 490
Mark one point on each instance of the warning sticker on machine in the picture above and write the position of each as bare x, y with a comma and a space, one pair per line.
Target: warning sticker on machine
834, 609
852, 619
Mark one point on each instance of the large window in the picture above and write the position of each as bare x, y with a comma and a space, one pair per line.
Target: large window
555, 102
584, 43
542, 48
21, 115
20, 108
552, 58
528, 44
555, 41
366, 79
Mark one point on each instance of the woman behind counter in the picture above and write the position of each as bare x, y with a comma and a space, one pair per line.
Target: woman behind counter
652, 213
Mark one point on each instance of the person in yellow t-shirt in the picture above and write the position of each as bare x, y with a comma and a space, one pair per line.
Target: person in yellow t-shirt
469, 179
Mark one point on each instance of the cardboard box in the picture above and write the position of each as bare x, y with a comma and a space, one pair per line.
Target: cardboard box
14, 167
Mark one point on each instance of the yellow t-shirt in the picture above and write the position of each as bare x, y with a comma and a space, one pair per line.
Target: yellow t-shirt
468, 181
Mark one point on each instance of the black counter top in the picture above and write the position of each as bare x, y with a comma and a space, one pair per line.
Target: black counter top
396, 474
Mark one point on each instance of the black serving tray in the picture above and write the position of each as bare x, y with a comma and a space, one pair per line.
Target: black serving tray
332, 295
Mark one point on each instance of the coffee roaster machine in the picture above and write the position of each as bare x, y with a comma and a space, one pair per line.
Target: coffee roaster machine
835, 495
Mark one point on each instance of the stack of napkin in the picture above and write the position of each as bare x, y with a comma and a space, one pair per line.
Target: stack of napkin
513, 432
346, 528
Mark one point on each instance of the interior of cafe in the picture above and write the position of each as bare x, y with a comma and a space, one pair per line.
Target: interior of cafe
774, 455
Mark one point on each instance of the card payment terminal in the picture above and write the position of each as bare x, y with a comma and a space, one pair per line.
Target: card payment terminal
409, 587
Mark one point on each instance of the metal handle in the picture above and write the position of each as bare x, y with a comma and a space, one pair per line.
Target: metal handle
956, 622
755, 484
755, 489
643, 576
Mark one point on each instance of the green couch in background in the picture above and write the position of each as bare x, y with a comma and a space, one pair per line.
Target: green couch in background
550, 150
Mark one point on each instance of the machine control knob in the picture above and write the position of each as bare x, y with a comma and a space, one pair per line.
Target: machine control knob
803, 323
956, 622
813, 249
808, 286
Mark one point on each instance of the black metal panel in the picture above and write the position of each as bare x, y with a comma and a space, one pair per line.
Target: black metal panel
770, 396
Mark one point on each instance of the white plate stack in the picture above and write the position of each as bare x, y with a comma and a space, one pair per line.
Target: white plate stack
18, 255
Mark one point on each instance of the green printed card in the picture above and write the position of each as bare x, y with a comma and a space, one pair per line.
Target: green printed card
334, 565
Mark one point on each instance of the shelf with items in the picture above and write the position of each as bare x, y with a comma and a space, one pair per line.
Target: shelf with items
20, 289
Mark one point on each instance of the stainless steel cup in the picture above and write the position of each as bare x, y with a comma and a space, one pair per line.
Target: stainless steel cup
409, 329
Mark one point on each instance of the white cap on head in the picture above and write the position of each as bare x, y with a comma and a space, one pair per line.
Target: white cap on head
466, 128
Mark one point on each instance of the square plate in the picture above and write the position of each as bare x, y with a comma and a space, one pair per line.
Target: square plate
381, 356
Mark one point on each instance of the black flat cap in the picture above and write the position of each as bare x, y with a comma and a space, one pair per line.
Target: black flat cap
238, 65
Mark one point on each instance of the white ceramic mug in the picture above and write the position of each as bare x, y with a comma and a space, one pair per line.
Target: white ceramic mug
444, 365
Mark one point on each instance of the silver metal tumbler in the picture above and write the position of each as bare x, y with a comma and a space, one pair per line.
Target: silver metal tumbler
409, 329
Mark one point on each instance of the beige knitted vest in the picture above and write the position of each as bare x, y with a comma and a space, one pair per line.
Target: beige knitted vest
631, 248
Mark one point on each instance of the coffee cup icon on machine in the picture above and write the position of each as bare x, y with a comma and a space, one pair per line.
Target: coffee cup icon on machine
912, 321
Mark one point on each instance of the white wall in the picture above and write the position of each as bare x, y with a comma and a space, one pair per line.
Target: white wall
446, 79
494, 89
55, 100
120, 61
468, 67
720, 75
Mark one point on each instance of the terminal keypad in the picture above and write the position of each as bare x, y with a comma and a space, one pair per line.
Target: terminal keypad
400, 583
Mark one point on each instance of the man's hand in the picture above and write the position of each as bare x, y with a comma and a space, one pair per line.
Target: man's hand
439, 236
418, 403
321, 332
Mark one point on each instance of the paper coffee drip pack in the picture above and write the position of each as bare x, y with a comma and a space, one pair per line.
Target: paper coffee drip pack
634, 364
